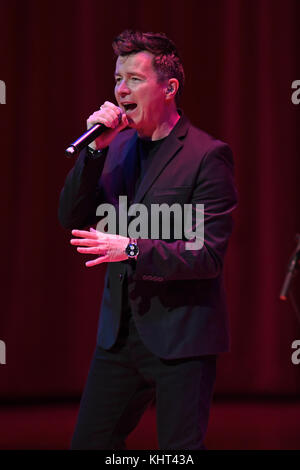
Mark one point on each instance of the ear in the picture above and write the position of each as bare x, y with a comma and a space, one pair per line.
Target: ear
171, 88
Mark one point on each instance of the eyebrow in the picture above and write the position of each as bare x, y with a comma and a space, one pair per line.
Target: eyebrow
116, 74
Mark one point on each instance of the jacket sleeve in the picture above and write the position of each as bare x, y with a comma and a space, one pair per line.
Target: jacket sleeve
79, 196
215, 189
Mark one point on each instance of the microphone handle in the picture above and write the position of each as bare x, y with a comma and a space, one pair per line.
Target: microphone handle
85, 139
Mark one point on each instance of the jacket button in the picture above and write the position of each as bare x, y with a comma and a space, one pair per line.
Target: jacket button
120, 276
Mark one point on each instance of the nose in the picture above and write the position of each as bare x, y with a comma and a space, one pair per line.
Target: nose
122, 88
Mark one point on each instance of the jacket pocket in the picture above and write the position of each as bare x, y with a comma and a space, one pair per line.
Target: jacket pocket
171, 191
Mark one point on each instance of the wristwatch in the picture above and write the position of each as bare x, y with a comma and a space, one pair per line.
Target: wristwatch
132, 250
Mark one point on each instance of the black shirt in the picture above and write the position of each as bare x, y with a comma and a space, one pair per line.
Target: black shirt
146, 150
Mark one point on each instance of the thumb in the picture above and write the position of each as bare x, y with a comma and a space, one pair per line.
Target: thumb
124, 122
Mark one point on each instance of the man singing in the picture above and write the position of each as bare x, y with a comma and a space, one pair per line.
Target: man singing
163, 318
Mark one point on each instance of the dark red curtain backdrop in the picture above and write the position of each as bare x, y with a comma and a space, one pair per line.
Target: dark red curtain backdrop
241, 58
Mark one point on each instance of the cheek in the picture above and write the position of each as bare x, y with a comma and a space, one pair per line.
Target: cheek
154, 96
146, 100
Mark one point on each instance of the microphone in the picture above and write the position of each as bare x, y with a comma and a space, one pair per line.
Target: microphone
85, 139
292, 268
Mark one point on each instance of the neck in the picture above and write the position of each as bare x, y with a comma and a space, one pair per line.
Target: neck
163, 126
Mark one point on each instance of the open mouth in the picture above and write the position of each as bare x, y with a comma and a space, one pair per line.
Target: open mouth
129, 107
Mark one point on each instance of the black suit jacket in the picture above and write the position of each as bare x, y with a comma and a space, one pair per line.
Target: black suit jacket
176, 295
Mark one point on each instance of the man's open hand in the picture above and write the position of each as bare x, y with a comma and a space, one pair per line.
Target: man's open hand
108, 247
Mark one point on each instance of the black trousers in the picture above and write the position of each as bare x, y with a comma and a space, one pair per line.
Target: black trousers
124, 381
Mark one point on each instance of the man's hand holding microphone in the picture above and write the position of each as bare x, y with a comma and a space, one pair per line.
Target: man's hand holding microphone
108, 120
112, 117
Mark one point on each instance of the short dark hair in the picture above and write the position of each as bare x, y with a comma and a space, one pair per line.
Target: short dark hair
166, 60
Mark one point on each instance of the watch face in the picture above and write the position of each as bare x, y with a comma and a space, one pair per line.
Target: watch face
132, 250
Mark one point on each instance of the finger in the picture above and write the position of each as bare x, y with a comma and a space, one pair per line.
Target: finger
92, 250
108, 104
103, 117
124, 121
98, 119
109, 113
84, 242
84, 233
114, 115
112, 106
116, 109
94, 262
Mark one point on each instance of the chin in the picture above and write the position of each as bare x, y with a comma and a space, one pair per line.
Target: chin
132, 123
